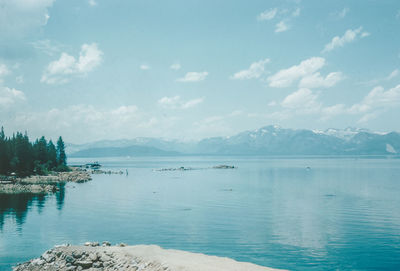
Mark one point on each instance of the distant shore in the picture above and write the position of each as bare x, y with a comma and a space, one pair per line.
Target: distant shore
42, 183
93, 256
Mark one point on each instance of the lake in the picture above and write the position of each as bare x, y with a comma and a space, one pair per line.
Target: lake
299, 213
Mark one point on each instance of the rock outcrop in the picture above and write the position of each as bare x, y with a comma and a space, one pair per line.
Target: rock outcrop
93, 256
44, 184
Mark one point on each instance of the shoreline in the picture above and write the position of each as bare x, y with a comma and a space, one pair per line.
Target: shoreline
92, 256
37, 184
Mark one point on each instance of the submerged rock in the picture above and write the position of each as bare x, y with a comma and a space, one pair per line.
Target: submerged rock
106, 244
223, 167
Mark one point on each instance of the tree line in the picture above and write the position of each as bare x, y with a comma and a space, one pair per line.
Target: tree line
21, 157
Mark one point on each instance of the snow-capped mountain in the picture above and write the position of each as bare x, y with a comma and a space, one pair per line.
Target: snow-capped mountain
269, 140
347, 133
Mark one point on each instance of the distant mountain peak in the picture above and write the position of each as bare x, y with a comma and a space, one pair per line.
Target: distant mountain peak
267, 140
346, 133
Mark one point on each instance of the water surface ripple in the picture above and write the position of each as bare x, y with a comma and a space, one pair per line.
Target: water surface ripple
299, 213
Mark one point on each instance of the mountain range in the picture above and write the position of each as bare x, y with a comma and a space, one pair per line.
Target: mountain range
268, 140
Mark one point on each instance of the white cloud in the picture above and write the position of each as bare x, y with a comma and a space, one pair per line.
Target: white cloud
192, 103
296, 12
365, 34
378, 98
175, 66
10, 97
392, 75
331, 111
306, 102
317, 81
302, 99
47, 46
59, 71
368, 117
169, 102
343, 13
255, 70
144, 67
281, 27
81, 123
193, 77
92, 3
218, 125
4, 70
235, 113
376, 81
349, 36
22, 17
177, 103
283, 16
267, 15
285, 77
89, 58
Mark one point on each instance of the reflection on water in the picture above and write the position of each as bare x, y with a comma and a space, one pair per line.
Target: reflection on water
296, 214
16, 206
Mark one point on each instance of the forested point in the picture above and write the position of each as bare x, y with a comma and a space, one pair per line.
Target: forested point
19, 156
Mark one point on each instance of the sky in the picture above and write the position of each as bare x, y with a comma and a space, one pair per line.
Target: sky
98, 69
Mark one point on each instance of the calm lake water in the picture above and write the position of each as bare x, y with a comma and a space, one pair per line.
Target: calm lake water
340, 213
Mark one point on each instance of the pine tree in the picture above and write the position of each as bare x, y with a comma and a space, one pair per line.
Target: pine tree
51, 156
4, 159
61, 157
19, 155
41, 150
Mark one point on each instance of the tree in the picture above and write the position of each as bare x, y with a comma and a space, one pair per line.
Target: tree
19, 155
61, 157
41, 150
51, 155
4, 159
24, 154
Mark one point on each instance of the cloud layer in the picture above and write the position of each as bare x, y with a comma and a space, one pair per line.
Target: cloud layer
10, 97
21, 17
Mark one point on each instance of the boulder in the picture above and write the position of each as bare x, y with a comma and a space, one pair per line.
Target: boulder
85, 264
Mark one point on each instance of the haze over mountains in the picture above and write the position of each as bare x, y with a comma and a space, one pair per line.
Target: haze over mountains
268, 140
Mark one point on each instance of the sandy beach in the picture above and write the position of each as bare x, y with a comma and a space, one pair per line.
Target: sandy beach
93, 256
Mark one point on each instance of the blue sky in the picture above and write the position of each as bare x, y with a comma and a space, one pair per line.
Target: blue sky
96, 69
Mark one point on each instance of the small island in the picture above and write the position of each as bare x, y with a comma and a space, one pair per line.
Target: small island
35, 167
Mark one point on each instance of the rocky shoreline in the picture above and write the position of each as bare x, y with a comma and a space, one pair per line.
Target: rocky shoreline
43, 184
93, 256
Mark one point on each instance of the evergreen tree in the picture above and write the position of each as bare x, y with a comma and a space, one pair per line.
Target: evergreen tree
51, 155
19, 155
24, 155
4, 159
61, 157
41, 150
